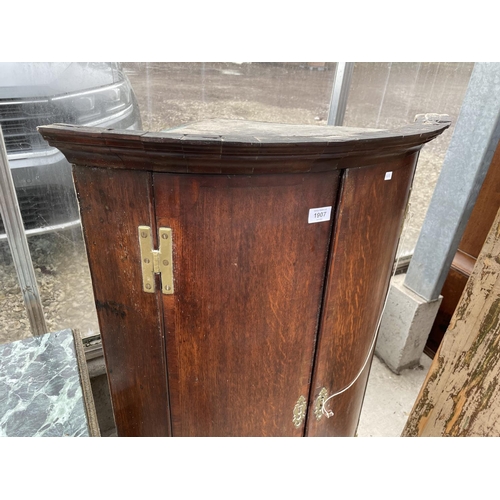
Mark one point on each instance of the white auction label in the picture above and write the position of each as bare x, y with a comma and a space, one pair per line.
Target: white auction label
319, 214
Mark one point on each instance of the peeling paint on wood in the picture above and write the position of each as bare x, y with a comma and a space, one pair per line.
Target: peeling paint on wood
461, 394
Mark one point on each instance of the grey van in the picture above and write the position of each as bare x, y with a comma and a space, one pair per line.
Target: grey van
33, 94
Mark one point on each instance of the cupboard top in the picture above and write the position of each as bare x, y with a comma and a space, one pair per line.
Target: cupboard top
239, 146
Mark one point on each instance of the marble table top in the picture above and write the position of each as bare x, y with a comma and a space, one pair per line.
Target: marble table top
41, 389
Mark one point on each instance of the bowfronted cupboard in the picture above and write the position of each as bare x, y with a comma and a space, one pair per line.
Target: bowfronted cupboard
240, 268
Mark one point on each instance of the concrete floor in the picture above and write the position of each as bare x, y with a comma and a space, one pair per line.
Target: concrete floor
389, 398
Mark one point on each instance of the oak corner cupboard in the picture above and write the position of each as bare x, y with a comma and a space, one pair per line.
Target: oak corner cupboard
240, 268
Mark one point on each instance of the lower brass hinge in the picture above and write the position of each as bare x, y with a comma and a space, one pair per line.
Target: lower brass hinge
156, 261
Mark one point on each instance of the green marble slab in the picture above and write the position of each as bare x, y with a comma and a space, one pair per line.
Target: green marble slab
40, 388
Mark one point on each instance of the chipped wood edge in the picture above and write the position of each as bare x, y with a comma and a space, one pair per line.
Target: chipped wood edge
88, 398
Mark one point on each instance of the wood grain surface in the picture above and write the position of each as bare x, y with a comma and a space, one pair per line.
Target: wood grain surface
461, 395
452, 291
267, 307
242, 323
113, 204
369, 220
484, 211
240, 146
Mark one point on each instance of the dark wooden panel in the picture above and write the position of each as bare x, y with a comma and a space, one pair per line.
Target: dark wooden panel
367, 228
484, 211
113, 204
241, 325
451, 292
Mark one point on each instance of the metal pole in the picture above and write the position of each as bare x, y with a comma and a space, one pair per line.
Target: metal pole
340, 91
14, 228
466, 163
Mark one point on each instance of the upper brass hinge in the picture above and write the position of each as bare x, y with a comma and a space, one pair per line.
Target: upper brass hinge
156, 261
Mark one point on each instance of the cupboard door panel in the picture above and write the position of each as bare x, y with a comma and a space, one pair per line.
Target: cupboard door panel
113, 204
248, 276
369, 219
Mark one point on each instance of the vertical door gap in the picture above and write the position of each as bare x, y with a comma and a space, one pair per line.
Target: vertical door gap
324, 291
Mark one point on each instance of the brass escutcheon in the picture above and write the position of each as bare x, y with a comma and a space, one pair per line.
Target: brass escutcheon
299, 411
318, 404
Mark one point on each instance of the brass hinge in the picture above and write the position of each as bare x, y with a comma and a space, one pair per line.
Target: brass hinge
156, 261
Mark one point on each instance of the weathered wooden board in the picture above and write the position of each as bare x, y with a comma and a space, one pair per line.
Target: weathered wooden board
461, 395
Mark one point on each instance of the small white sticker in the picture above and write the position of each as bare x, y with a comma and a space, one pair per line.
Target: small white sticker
319, 214
388, 176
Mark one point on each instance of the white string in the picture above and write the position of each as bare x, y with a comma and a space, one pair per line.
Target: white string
329, 413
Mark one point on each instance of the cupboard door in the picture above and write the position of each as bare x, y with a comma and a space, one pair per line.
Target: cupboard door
369, 219
113, 204
241, 324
